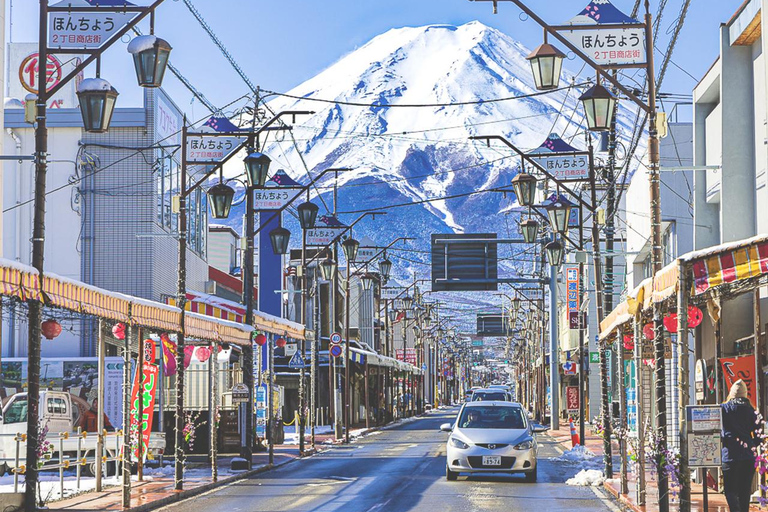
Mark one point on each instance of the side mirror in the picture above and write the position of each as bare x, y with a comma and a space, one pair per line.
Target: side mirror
538, 429
446, 427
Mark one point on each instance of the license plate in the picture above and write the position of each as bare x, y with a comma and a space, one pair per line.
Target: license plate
492, 460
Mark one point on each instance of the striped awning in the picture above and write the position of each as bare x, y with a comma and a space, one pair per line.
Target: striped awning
22, 283
730, 265
85, 299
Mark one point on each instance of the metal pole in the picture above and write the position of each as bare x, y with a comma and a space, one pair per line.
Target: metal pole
315, 347
303, 342
181, 301
100, 406
682, 348
126, 485
247, 451
582, 376
214, 401
271, 389
640, 397
38, 256
622, 411
347, 387
554, 351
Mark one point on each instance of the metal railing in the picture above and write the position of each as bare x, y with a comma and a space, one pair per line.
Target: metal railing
57, 458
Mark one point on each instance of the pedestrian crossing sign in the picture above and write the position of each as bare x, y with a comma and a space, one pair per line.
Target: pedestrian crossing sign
296, 362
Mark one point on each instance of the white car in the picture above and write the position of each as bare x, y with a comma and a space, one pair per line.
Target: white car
491, 437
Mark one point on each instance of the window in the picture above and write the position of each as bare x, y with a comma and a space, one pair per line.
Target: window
492, 417
57, 406
17, 412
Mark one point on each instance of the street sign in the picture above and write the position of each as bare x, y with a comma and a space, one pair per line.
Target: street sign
291, 348
594, 357
240, 393
335, 350
273, 198
700, 377
464, 262
704, 443
84, 29
210, 149
572, 399
322, 236
391, 292
335, 338
611, 46
572, 289
296, 362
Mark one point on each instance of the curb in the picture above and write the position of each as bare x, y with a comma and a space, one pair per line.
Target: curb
620, 499
210, 486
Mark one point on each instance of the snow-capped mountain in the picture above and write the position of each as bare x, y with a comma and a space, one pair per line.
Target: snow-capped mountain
399, 112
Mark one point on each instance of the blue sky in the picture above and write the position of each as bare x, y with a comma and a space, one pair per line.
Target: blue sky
282, 43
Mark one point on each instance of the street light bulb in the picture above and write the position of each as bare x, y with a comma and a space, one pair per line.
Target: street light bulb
555, 252
367, 281
97, 103
600, 108
150, 58
385, 267
559, 211
525, 188
327, 268
530, 230
350, 247
546, 65
220, 196
307, 215
280, 238
256, 168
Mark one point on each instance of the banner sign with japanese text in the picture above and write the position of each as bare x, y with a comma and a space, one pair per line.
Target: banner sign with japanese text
143, 395
566, 167
391, 292
611, 46
273, 198
572, 399
84, 29
209, 149
572, 284
322, 236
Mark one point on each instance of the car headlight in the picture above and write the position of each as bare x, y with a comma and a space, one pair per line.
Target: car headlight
525, 445
458, 443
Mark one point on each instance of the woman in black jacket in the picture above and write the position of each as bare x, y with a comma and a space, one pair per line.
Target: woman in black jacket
741, 431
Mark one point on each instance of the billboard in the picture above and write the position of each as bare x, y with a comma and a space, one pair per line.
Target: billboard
464, 262
492, 325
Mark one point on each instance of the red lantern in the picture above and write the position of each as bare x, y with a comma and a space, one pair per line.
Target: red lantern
118, 331
695, 317
260, 339
648, 331
629, 343
51, 328
670, 322
280, 342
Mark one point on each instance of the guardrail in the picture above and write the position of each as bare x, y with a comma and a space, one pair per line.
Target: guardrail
50, 462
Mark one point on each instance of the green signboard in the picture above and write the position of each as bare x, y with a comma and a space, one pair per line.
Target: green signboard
594, 357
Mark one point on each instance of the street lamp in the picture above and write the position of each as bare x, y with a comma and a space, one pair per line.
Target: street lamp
307, 214
555, 252
220, 196
350, 247
367, 281
97, 100
280, 238
393, 315
546, 65
559, 211
600, 107
150, 58
385, 267
525, 188
256, 168
530, 229
327, 268
407, 302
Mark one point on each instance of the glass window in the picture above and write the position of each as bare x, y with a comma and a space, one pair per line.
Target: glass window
492, 417
486, 396
17, 412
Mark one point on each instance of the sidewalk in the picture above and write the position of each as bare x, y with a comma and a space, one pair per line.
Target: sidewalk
594, 444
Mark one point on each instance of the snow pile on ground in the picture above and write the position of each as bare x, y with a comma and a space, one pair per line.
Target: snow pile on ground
292, 435
587, 477
161, 471
577, 454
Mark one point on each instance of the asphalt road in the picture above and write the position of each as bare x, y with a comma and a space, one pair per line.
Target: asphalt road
401, 469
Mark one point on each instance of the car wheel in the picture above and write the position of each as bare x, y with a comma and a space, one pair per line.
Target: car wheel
450, 475
533, 475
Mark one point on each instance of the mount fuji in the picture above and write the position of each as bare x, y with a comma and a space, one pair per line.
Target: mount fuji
399, 112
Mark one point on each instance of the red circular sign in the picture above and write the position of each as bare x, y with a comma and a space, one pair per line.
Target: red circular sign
28, 72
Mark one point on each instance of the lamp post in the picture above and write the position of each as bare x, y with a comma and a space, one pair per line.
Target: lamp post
350, 247
38, 231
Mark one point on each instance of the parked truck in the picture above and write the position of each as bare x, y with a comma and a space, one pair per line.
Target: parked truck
61, 412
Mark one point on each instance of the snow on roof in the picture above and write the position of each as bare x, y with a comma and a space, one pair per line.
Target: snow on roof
724, 247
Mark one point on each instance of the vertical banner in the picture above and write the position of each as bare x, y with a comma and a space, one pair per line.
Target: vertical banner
572, 284
143, 392
735, 368
572, 398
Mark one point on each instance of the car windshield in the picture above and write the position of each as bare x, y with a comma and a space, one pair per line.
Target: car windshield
492, 417
17, 412
488, 396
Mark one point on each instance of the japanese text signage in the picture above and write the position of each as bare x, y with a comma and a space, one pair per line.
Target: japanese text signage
572, 284
704, 443
89, 29
566, 167
323, 236
203, 149
572, 398
391, 292
143, 399
740, 368
611, 46
273, 198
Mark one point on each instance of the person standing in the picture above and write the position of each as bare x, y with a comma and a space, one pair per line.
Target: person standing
740, 438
